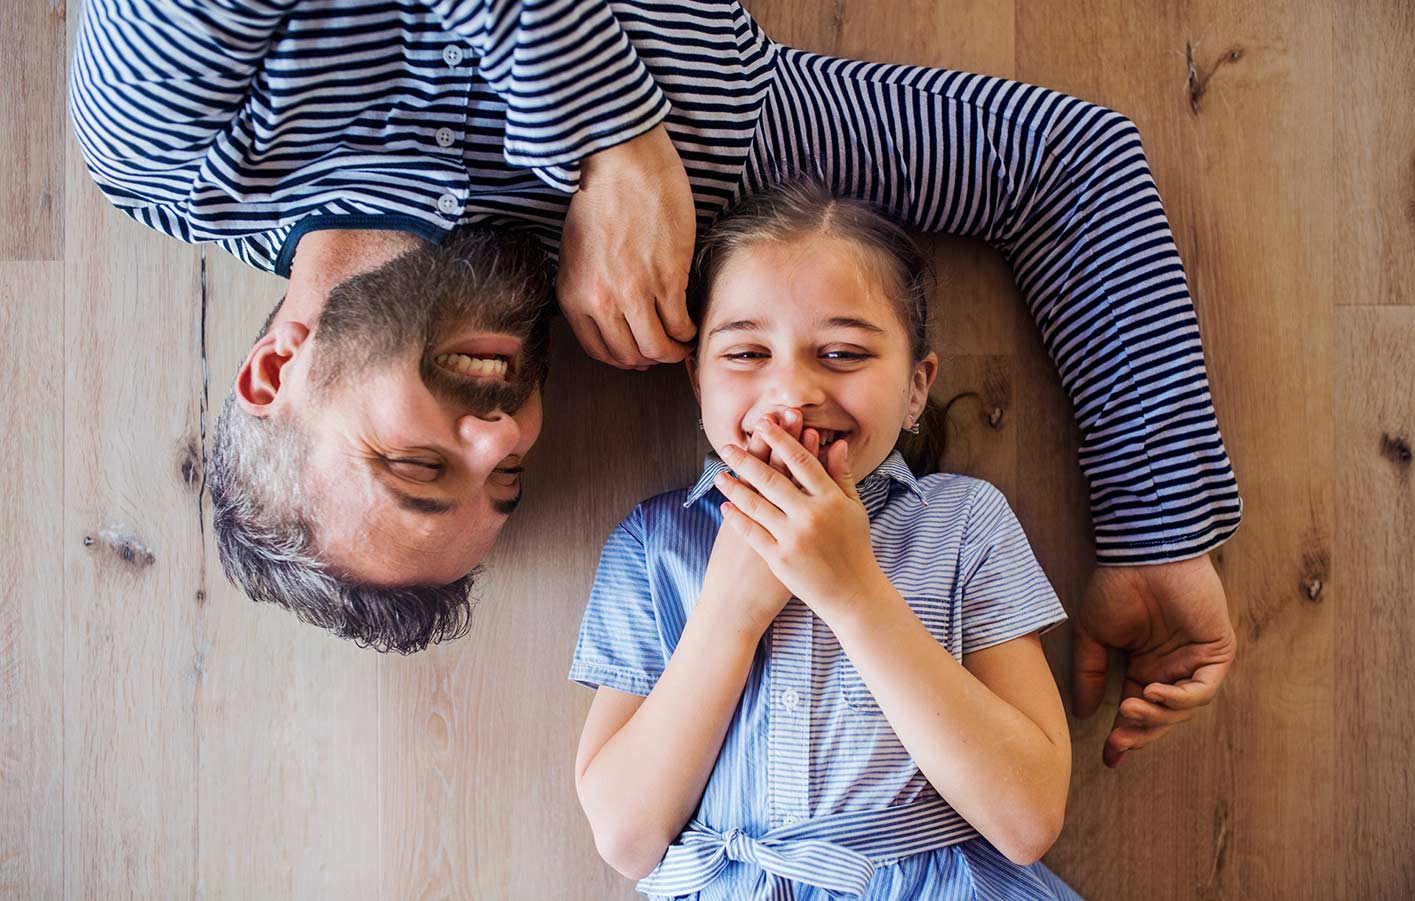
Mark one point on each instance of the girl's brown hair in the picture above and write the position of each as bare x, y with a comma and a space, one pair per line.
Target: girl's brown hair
800, 208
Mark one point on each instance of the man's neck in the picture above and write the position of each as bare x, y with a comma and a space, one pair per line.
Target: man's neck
326, 257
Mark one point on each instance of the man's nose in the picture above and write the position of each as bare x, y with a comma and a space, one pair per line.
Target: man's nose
488, 439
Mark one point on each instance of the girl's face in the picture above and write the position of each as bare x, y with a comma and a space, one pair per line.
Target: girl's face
807, 325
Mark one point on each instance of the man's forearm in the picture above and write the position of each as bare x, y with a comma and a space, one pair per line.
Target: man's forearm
642, 787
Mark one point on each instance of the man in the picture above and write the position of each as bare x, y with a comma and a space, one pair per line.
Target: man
371, 448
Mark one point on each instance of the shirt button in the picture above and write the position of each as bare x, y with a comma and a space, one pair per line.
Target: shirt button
447, 205
452, 55
789, 699
790, 820
445, 137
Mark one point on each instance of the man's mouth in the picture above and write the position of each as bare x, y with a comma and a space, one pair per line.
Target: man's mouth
484, 367
482, 357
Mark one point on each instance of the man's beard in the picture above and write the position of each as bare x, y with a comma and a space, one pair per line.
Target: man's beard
474, 282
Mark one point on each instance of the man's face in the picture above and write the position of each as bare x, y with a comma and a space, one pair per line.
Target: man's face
420, 401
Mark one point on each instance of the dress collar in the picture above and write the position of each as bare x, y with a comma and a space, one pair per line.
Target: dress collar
874, 486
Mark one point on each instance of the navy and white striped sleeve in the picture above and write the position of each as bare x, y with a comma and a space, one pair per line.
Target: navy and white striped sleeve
619, 644
1086, 232
154, 86
572, 82
1003, 593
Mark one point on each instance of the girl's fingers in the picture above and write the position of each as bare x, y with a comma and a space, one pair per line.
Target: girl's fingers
749, 501
804, 467
770, 484
757, 538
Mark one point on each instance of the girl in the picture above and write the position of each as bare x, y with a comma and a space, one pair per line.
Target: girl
810, 684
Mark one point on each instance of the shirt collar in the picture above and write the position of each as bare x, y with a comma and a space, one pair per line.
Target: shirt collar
892, 471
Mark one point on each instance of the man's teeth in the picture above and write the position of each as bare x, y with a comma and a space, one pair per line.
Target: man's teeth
487, 367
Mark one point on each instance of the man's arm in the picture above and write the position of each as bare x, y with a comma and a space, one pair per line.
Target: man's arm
154, 85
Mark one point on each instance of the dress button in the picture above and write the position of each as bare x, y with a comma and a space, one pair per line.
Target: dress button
452, 55
789, 699
447, 205
445, 137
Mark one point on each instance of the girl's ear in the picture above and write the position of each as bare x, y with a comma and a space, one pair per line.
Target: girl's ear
925, 371
262, 375
691, 362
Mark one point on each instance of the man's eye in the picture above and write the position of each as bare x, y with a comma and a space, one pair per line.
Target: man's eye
417, 470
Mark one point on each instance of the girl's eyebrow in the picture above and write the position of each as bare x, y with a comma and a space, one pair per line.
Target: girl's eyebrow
849, 322
752, 325
738, 325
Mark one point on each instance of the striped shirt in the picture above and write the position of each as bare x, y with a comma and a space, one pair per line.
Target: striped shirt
251, 122
809, 763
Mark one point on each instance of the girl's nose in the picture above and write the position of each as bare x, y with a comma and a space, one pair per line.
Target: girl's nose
488, 439
796, 387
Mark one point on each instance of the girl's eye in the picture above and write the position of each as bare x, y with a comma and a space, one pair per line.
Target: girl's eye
416, 470
845, 356
744, 355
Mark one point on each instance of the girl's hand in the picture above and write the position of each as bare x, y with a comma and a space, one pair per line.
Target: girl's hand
737, 571
809, 526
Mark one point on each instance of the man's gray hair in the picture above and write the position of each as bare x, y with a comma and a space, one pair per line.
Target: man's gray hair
263, 536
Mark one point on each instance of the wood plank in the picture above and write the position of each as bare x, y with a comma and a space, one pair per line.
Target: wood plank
32, 589
1374, 164
287, 715
1222, 141
1372, 574
479, 735
32, 47
132, 554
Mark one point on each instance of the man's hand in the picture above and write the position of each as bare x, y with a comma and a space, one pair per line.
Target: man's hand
1171, 620
625, 254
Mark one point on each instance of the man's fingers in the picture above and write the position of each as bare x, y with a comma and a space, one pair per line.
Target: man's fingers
587, 333
1142, 713
1187, 694
650, 339
619, 341
673, 313
1088, 662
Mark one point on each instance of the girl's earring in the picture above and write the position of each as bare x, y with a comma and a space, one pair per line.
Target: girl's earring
912, 429
700, 425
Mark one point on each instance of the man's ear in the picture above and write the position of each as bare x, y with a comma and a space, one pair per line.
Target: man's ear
691, 361
925, 371
261, 376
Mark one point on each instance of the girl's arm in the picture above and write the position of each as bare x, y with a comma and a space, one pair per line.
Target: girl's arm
989, 733
643, 763
994, 744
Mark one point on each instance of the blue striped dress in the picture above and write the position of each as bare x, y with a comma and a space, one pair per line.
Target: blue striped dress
813, 796
252, 122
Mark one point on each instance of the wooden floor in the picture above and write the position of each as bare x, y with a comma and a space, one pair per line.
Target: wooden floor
162, 737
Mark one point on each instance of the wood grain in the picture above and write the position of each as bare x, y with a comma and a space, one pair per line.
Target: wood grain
132, 555
32, 60
1372, 581
1373, 172
32, 585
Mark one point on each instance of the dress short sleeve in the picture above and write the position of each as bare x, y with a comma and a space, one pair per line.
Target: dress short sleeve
619, 644
1002, 590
